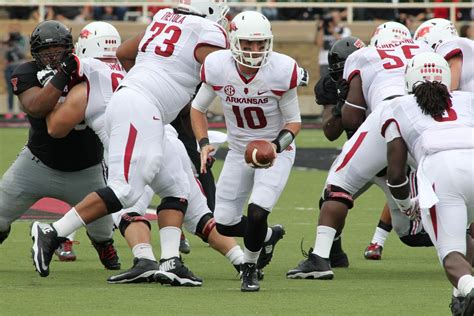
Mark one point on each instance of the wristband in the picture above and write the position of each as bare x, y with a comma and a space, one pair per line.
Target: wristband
204, 142
60, 80
283, 140
398, 185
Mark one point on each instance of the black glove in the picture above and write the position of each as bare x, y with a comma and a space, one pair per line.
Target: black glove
70, 64
342, 87
45, 75
304, 77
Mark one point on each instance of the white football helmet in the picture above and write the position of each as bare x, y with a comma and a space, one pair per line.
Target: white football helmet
214, 10
424, 67
389, 32
251, 26
435, 31
98, 40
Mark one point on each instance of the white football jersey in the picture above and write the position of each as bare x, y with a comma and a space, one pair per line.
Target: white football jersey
166, 70
465, 47
250, 106
382, 69
102, 79
425, 135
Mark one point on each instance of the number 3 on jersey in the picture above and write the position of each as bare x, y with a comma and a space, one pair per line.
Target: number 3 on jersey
164, 44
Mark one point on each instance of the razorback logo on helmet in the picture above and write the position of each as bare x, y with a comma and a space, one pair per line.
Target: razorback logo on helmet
359, 44
14, 82
423, 32
85, 33
229, 90
232, 26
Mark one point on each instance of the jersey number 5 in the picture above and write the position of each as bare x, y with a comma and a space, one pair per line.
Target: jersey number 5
396, 62
166, 46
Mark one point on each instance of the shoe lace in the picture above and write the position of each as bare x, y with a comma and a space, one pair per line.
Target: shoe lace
107, 251
67, 245
373, 246
303, 252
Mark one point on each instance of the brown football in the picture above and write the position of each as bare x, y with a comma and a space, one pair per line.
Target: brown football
259, 153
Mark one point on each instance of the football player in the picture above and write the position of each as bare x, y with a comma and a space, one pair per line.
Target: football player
436, 127
157, 87
96, 47
68, 168
257, 88
363, 155
442, 37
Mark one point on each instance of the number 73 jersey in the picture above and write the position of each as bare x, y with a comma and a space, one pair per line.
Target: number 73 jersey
382, 69
252, 106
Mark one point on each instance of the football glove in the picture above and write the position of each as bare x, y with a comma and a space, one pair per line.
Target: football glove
44, 76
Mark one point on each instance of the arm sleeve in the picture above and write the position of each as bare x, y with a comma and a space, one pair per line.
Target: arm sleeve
24, 78
213, 34
391, 132
289, 106
204, 98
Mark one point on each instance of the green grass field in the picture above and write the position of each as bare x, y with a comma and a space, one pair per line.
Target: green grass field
408, 281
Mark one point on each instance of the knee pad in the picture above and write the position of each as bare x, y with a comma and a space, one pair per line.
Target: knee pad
335, 193
203, 230
110, 199
419, 240
128, 218
237, 230
256, 213
173, 203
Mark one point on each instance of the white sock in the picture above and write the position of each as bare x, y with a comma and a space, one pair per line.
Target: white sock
269, 234
170, 237
143, 251
235, 255
71, 236
250, 256
456, 292
380, 236
465, 284
324, 238
69, 223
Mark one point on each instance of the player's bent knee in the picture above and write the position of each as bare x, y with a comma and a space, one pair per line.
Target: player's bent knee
338, 194
110, 199
173, 203
132, 217
205, 225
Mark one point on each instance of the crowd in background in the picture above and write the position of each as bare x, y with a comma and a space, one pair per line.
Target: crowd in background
330, 25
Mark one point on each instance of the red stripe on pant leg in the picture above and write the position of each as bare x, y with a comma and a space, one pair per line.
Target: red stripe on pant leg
433, 220
352, 151
132, 136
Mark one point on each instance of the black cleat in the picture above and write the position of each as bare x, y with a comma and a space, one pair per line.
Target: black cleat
314, 267
45, 241
268, 247
172, 271
142, 271
457, 303
184, 246
107, 253
468, 308
4, 235
260, 273
249, 278
339, 260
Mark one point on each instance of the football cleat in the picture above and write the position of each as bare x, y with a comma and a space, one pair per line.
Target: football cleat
184, 246
4, 235
313, 267
142, 271
107, 253
373, 252
468, 305
172, 271
45, 241
268, 247
65, 252
457, 303
249, 278
339, 260
260, 273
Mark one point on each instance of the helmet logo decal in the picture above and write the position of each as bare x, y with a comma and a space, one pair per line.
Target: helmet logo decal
85, 33
229, 90
359, 44
423, 32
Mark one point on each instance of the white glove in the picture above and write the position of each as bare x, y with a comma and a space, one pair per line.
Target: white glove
303, 77
412, 209
44, 76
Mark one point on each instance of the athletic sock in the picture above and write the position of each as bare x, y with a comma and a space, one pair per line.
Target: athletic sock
170, 237
70, 222
235, 255
465, 284
143, 250
380, 236
324, 238
251, 256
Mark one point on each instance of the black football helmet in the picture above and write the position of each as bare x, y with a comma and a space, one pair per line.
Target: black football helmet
50, 34
338, 54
